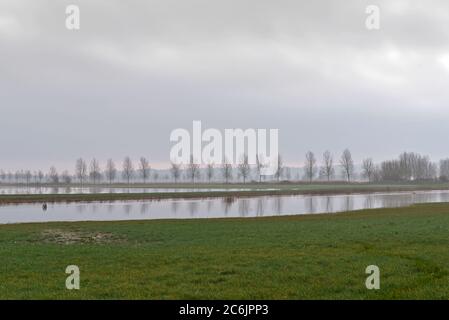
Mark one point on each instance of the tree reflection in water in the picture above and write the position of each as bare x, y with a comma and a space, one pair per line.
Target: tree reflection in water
310, 204
144, 207
244, 206
348, 204
174, 206
369, 202
193, 208
328, 204
209, 206
260, 206
213, 207
277, 205
227, 204
127, 208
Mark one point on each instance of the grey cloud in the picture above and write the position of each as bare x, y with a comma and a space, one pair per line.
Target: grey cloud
138, 69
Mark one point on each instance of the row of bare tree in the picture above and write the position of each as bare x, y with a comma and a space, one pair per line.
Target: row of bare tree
110, 172
407, 167
83, 172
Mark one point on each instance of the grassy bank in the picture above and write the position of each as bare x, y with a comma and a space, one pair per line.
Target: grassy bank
255, 190
321, 256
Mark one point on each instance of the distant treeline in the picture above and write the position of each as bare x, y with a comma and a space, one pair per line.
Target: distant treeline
409, 166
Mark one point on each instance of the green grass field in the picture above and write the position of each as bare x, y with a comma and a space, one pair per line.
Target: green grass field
296, 257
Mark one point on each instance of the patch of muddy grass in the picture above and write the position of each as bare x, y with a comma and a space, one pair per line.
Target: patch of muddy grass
67, 237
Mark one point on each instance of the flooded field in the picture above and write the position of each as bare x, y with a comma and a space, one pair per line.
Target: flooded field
213, 207
14, 190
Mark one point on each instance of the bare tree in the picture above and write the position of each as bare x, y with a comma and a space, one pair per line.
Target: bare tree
377, 173
94, 168
310, 166
390, 170
53, 175
347, 164
279, 168
368, 169
244, 168
35, 177
81, 170
128, 169
193, 169
288, 173
259, 166
111, 172
444, 170
66, 178
40, 176
414, 166
226, 169
424, 169
175, 171
327, 170
409, 167
28, 177
210, 171
144, 168
17, 176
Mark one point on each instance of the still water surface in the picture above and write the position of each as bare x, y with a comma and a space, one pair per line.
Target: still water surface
10, 190
213, 207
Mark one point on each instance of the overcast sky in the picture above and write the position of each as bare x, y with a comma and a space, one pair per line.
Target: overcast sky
136, 70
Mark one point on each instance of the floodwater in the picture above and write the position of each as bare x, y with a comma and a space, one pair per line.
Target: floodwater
214, 207
14, 190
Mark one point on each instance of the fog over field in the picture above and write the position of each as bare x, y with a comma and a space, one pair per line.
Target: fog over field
136, 70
